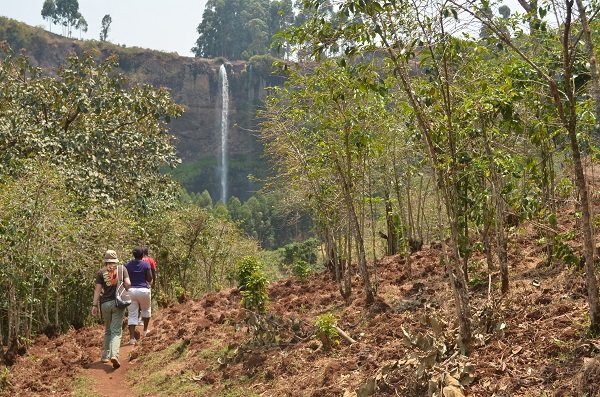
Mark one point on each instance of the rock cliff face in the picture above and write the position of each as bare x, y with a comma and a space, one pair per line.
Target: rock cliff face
193, 83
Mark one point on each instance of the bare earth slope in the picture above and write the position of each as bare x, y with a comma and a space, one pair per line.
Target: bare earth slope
530, 342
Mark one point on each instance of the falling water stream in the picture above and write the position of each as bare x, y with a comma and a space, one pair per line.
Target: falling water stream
224, 129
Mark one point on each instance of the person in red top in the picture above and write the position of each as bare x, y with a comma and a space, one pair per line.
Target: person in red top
152, 263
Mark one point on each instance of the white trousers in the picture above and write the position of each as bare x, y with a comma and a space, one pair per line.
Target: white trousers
140, 299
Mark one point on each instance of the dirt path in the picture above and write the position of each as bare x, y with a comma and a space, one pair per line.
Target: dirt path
109, 382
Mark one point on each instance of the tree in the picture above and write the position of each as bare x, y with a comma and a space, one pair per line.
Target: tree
49, 12
63, 12
105, 27
240, 29
82, 25
566, 99
67, 14
504, 10
108, 139
322, 130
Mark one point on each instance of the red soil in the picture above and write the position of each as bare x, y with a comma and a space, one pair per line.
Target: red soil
533, 340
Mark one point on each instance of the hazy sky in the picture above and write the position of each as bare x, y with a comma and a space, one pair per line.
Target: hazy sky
167, 25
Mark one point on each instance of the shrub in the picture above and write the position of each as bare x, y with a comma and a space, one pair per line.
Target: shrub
180, 293
4, 381
326, 330
252, 284
301, 269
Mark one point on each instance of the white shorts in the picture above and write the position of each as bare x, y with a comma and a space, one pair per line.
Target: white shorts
140, 299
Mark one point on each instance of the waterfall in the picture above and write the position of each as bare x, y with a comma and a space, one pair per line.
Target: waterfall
224, 129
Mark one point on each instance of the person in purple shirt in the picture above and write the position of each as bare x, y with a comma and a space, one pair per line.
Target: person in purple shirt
140, 275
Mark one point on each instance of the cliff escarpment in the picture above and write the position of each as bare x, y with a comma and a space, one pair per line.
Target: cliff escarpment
194, 83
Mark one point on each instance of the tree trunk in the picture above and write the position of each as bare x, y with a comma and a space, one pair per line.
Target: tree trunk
588, 240
548, 195
345, 176
591, 54
392, 238
348, 263
570, 123
487, 244
458, 280
500, 232
409, 207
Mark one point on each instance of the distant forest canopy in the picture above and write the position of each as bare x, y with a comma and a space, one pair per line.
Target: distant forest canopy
240, 29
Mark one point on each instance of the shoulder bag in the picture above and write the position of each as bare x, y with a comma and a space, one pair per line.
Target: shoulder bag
122, 298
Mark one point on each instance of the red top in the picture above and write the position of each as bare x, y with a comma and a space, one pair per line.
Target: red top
151, 261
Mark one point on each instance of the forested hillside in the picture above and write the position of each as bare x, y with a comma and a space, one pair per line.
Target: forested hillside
443, 152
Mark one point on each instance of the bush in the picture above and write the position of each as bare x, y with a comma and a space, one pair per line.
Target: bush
326, 330
252, 284
299, 257
4, 381
301, 269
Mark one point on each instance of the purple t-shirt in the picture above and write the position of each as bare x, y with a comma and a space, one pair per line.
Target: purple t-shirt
137, 273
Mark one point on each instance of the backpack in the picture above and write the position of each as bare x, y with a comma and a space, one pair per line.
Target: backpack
122, 298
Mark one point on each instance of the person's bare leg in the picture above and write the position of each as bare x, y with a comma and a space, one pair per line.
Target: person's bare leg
146, 323
132, 332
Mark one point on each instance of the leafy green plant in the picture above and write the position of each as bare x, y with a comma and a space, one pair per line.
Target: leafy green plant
476, 280
301, 269
326, 330
252, 284
563, 251
4, 381
180, 293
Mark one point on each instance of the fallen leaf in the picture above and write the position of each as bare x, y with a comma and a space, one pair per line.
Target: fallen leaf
452, 391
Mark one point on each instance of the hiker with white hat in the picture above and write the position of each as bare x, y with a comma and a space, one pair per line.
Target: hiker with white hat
109, 281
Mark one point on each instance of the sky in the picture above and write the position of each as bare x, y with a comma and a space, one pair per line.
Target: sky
166, 25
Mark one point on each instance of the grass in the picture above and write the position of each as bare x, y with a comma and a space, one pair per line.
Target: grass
161, 374
213, 352
84, 387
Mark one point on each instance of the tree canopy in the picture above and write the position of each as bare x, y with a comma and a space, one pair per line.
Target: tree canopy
109, 140
239, 29
65, 13
105, 27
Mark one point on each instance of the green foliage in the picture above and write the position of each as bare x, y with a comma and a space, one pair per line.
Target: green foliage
105, 27
301, 269
196, 251
561, 250
326, 330
65, 13
110, 140
240, 29
253, 284
180, 293
4, 381
266, 218
305, 251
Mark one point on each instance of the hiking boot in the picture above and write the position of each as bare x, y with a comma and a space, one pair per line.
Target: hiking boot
146, 332
115, 362
132, 342
104, 360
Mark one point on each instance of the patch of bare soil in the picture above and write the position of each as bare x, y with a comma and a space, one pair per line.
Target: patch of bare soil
529, 342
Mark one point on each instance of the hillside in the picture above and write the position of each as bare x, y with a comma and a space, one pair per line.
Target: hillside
193, 83
531, 342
